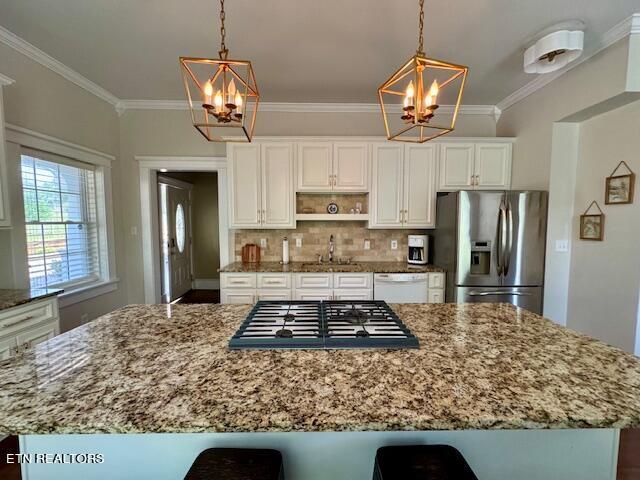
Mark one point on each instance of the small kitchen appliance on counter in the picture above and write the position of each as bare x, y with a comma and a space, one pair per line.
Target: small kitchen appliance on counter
250, 253
322, 325
418, 252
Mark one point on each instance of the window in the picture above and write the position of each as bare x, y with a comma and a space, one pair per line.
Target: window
60, 207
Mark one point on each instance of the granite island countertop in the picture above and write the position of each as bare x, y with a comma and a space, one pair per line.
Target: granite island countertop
167, 368
315, 267
10, 298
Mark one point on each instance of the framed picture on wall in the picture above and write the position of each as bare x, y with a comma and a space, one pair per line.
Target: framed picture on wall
592, 224
619, 188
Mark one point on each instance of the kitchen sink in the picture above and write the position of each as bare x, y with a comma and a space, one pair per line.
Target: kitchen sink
331, 266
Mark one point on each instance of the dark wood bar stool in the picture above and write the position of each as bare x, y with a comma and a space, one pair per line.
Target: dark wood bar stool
237, 464
421, 462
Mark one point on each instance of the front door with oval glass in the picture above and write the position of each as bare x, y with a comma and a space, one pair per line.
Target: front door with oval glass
175, 238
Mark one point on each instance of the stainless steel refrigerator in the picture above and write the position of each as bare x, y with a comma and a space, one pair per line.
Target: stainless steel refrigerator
492, 245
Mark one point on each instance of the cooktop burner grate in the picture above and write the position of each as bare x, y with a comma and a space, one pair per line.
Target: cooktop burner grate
330, 324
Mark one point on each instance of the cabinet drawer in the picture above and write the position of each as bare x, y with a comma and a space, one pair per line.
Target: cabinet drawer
353, 294
274, 295
8, 348
274, 280
353, 280
436, 280
238, 280
313, 294
314, 280
18, 318
238, 296
436, 296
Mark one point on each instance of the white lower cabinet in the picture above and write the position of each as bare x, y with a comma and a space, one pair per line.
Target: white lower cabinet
333, 286
435, 295
353, 295
25, 326
237, 296
311, 294
274, 295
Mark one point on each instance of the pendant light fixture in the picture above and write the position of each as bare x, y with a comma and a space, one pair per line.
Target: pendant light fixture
222, 93
419, 87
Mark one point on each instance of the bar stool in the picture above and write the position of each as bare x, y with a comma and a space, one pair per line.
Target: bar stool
421, 462
237, 464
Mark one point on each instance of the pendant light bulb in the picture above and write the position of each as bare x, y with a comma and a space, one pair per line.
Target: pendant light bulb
208, 92
433, 91
217, 101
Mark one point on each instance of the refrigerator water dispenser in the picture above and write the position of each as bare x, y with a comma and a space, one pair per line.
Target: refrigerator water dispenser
480, 258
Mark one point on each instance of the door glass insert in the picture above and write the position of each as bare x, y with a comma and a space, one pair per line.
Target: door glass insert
180, 233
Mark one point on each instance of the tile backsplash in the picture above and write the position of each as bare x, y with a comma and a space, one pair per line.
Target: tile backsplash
349, 238
317, 203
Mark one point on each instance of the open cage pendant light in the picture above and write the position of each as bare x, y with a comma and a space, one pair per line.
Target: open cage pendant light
222, 93
420, 86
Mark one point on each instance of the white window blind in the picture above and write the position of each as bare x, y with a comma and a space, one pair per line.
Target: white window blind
61, 220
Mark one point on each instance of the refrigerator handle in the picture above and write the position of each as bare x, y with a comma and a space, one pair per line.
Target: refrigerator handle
508, 239
502, 238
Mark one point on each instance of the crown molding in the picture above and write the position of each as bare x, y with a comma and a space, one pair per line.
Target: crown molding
34, 53
629, 26
124, 105
4, 80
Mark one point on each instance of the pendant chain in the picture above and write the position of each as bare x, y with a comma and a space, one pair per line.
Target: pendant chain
420, 35
223, 33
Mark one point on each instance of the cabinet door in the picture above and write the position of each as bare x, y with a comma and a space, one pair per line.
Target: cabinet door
456, 166
420, 186
244, 186
237, 296
7, 348
436, 296
314, 167
238, 280
313, 295
37, 335
353, 295
350, 167
493, 166
385, 199
313, 280
278, 197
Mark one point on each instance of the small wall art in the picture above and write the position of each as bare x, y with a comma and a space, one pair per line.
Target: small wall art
592, 224
619, 188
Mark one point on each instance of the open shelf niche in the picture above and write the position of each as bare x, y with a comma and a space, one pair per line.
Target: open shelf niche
313, 206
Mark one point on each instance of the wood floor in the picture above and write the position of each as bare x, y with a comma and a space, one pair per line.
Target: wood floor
200, 296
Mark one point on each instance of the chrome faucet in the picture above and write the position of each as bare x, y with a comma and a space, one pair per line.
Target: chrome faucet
331, 249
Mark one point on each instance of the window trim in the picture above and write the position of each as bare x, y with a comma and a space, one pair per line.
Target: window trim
27, 140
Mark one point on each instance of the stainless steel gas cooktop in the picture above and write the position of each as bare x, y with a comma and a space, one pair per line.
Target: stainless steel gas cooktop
330, 324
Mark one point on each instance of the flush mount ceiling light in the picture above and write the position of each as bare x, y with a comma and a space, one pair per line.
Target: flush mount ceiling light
555, 48
420, 86
222, 93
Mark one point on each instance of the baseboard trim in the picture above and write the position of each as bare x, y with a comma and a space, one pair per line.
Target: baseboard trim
206, 284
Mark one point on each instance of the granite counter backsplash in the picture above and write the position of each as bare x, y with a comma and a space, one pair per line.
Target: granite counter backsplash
348, 237
167, 368
14, 297
315, 267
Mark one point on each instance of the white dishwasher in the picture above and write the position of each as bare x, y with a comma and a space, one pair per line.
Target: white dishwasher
401, 287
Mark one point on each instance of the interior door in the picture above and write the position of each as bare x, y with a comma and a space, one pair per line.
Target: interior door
527, 231
179, 241
386, 194
478, 240
420, 186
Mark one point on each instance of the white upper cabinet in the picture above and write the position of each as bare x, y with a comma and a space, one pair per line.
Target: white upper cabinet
333, 167
278, 197
315, 166
385, 199
261, 185
492, 166
350, 167
420, 186
403, 193
456, 166
475, 166
245, 207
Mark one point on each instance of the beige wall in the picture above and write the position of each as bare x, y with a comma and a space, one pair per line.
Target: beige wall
605, 276
169, 133
531, 120
45, 102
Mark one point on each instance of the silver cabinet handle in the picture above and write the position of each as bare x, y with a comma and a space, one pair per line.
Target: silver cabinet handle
259, 216
16, 322
264, 216
498, 292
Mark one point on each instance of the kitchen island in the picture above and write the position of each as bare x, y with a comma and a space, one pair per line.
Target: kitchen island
519, 396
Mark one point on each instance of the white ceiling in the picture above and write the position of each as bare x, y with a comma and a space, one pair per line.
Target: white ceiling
302, 50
